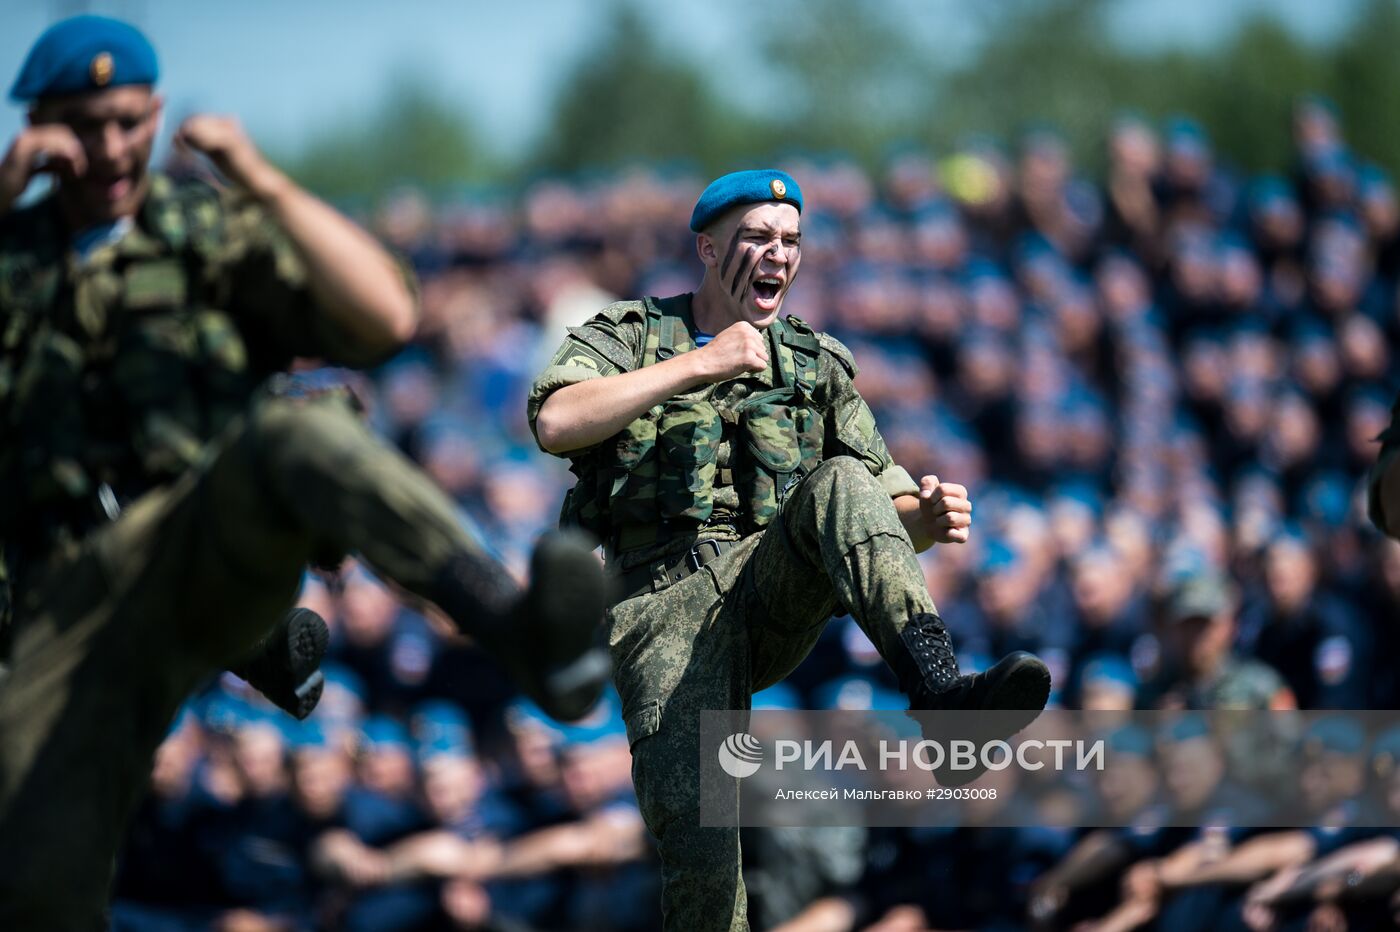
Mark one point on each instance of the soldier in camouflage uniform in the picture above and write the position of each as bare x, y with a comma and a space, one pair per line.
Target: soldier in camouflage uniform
744, 495
159, 506
1199, 667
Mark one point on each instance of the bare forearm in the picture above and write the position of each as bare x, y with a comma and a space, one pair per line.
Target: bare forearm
1373, 860
1127, 916
596, 843
828, 914
589, 412
355, 282
1093, 859
1251, 861
911, 516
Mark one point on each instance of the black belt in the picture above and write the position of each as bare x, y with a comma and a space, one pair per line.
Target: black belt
655, 576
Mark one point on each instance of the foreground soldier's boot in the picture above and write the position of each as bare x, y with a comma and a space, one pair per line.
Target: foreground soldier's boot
547, 638
994, 704
283, 667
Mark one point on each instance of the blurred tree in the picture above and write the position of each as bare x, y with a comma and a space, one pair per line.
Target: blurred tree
828, 76
1057, 62
628, 99
848, 79
412, 135
1365, 82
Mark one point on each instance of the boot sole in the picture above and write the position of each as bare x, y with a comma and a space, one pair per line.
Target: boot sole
309, 639
299, 681
565, 622
1023, 687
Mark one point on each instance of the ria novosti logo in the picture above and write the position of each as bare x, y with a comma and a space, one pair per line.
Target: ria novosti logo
740, 755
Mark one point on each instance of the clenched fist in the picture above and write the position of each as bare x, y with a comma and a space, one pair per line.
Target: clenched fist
946, 510
45, 147
222, 140
735, 350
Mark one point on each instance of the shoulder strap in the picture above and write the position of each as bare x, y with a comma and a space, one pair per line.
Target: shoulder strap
801, 352
651, 339
668, 332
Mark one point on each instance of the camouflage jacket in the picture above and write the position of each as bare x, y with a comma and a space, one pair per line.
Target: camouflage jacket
715, 462
118, 367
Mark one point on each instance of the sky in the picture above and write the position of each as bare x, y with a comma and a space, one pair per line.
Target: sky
286, 67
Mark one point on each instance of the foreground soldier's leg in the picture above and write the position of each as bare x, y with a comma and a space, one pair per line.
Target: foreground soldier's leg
677, 652
345, 490
109, 641
839, 537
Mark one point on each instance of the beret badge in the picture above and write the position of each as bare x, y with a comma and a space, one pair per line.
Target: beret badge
101, 69
779, 189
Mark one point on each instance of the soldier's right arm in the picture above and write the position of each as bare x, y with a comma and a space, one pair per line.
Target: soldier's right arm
50, 147
578, 415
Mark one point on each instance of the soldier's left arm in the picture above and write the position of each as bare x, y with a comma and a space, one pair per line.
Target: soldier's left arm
353, 281
932, 511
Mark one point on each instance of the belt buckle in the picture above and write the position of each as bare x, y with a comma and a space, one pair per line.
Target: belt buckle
693, 558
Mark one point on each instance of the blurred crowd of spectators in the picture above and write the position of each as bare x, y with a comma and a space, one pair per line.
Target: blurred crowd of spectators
1162, 389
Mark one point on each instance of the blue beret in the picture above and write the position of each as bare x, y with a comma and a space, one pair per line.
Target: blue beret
85, 53
1334, 735
441, 724
1108, 668
1186, 728
1385, 752
997, 557
382, 732
750, 187
1130, 740
309, 735
605, 721
779, 696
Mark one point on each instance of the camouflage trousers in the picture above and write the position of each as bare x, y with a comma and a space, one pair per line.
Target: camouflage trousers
741, 623
111, 638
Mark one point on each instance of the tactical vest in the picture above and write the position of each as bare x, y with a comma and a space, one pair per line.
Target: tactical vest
656, 479
96, 406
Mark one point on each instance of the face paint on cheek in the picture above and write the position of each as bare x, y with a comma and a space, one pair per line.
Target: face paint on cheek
740, 284
729, 256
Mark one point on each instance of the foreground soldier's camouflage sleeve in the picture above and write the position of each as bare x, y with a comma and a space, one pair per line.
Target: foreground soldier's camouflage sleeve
270, 291
607, 345
851, 424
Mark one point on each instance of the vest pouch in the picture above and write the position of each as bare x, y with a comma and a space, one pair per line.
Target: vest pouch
772, 454
631, 475
157, 375
223, 369
45, 409
688, 436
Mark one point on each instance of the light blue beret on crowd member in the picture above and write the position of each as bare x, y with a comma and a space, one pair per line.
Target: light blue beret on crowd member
1111, 670
1334, 734
778, 697
749, 187
380, 732
85, 53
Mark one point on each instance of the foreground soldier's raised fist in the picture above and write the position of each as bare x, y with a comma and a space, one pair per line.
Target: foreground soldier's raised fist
737, 349
49, 147
222, 140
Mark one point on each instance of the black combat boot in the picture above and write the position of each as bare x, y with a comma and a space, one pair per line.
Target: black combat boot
283, 667
994, 704
548, 638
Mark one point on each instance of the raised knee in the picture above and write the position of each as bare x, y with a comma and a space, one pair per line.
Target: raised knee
279, 425
842, 470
